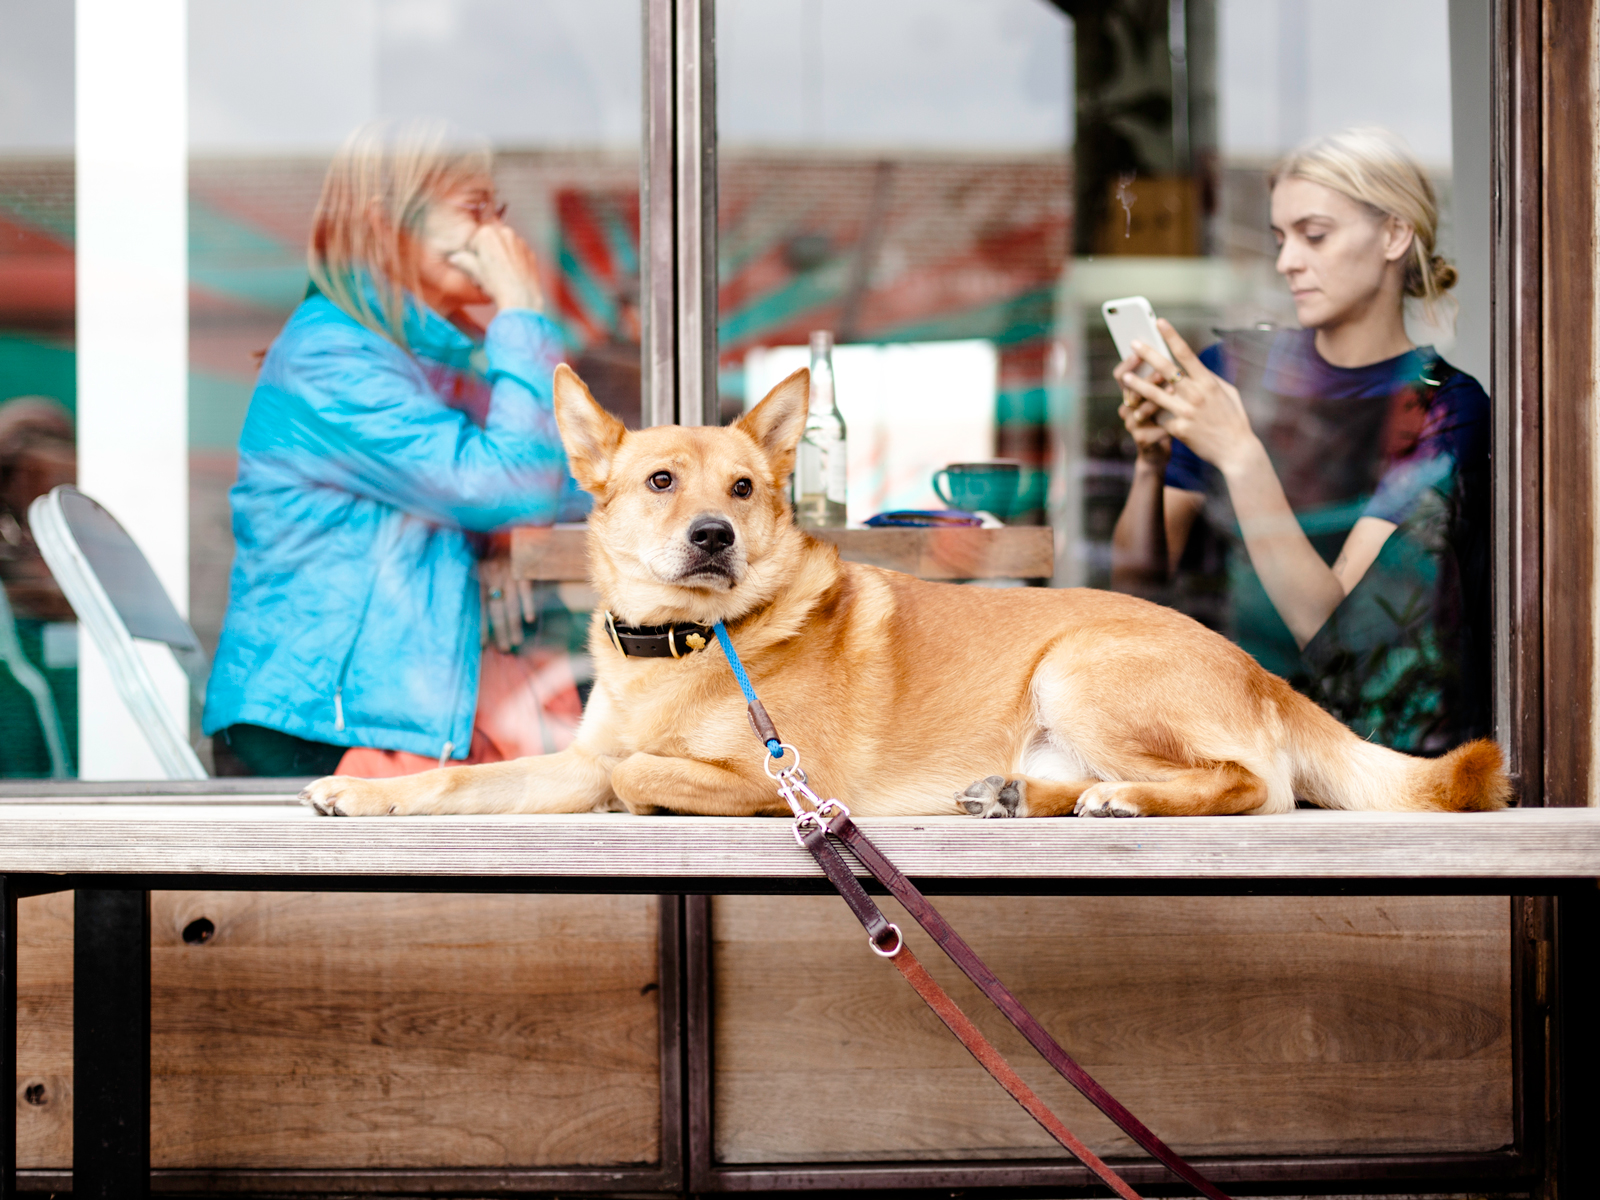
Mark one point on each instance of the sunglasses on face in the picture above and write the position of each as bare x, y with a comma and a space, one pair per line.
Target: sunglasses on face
483, 210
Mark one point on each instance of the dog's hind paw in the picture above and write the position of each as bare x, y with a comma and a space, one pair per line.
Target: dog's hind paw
1108, 800
995, 797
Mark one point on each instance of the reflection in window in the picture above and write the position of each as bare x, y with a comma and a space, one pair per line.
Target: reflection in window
274, 91
38, 383
1374, 598
914, 199
1014, 165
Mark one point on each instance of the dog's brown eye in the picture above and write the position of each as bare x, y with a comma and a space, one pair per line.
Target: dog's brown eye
743, 487
660, 481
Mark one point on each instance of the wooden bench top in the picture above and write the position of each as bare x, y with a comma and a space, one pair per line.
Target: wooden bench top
219, 836
558, 554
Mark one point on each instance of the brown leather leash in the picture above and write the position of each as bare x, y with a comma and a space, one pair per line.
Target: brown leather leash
965, 957
815, 821
886, 940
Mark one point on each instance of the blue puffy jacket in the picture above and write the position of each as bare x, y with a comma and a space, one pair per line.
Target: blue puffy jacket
353, 609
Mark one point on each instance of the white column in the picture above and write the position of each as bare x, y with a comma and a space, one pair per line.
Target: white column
133, 328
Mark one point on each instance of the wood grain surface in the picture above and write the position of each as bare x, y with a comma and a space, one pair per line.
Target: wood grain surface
1230, 1026
287, 839
359, 1030
558, 554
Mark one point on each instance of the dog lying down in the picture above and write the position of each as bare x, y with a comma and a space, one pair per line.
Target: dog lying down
899, 693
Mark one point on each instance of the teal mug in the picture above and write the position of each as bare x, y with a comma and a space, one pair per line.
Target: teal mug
980, 486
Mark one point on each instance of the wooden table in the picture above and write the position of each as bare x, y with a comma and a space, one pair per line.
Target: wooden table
114, 849
557, 554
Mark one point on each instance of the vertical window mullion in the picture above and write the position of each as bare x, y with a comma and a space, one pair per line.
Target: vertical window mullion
696, 178
657, 222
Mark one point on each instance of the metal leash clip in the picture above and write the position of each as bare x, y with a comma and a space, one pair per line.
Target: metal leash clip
796, 792
832, 808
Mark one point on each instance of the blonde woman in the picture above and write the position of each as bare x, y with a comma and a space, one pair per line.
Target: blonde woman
1342, 471
388, 434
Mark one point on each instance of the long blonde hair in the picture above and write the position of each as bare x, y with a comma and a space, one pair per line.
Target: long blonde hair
1373, 167
374, 198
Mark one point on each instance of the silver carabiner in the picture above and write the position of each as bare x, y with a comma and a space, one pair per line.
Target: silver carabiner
804, 818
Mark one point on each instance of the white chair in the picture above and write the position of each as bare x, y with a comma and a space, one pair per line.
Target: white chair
113, 589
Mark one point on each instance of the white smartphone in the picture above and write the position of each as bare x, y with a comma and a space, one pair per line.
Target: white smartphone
1130, 320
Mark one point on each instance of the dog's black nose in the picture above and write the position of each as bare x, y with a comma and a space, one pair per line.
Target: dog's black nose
711, 534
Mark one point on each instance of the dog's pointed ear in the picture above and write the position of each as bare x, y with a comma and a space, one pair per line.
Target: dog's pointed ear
590, 434
778, 421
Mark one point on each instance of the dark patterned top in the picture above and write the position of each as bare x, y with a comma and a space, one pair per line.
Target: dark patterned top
1405, 658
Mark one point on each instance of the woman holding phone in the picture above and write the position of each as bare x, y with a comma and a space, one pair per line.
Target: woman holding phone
1344, 469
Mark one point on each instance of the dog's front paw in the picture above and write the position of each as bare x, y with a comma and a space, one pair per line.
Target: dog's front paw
1109, 800
345, 796
995, 797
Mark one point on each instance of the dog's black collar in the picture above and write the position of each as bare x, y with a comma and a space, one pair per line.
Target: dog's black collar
658, 641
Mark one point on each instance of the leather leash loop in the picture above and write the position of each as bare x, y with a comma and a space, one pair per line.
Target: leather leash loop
866, 910
815, 839
957, 950
813, 826
980, 1048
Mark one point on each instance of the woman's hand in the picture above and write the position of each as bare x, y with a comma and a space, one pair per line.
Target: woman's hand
1139, 415
1198, 407
501, 263
1207, 414
507, 602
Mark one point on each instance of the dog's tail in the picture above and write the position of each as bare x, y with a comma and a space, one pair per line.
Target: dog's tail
1336, 769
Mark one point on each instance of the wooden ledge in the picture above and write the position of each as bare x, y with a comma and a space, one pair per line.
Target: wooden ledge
557, 554
274, 836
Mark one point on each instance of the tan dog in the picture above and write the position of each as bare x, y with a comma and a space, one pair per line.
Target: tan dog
899, 693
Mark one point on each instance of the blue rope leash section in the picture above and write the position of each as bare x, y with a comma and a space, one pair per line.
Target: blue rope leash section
774, 747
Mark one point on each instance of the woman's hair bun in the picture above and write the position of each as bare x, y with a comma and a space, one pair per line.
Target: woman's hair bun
1444, 275
1374, 167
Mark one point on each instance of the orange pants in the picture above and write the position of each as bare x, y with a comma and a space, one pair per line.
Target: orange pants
527, 704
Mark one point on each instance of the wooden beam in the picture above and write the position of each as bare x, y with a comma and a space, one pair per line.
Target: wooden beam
1014, 552
285, 839
559, 554
8, 1032
1568, 357
1516, 453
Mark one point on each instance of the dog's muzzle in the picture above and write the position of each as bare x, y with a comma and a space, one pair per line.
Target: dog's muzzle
711, 542
711, 535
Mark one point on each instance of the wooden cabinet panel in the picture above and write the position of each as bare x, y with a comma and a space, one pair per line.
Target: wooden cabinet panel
1230, 1026
44, 1031
365, 1030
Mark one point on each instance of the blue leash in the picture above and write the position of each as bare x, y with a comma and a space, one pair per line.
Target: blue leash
774, 743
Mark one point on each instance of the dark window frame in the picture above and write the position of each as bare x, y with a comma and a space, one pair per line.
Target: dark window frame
1544, 356
1542, 323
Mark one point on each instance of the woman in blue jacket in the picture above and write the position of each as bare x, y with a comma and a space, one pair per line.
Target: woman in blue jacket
387, 433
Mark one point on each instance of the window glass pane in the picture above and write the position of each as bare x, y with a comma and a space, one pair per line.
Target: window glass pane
953, 191
390, 496
956, 213
38, 382
917, 205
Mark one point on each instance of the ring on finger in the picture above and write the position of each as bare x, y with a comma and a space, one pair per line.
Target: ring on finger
496, 594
